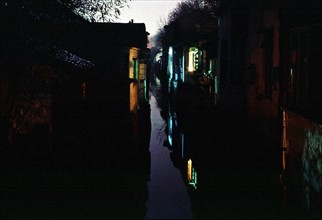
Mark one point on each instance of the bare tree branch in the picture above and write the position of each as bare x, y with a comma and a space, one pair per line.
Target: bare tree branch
96, 10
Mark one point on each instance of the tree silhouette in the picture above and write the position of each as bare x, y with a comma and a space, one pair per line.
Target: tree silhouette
96, 10
182, 9
187, 6
91, 10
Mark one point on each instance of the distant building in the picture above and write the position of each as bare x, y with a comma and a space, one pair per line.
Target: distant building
189, 50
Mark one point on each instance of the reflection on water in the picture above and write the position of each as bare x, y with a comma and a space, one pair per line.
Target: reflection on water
191, 174
168, 196
182, 154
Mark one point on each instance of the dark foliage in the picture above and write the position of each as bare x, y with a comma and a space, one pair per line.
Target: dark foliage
92, 10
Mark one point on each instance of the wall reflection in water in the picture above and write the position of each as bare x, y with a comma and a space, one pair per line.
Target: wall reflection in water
191, 174
182, 154
168, 195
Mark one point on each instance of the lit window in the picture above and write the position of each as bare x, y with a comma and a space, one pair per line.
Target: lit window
193, 59
170, 62
170, 51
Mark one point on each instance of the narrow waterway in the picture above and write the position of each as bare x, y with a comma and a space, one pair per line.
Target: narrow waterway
167, 192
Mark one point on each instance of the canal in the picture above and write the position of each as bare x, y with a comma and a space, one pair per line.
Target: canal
168, 195
178, 159
207, 164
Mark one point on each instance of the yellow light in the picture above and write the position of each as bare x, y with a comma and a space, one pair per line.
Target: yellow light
190, 61
134, 97
189, 170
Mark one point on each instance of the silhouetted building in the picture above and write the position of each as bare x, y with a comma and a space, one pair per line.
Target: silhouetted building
269, 65
97, 61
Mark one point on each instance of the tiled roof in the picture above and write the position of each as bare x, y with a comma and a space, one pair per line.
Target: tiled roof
45, 50
68, 57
